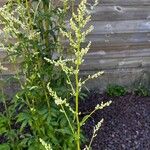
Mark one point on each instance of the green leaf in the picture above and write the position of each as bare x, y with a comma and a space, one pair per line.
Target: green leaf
23, 125
64, 131
24, 141
63, 122
84, 119
3, 130
4, 146
23, 116
32, 147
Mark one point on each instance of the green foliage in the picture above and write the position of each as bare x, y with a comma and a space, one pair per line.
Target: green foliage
71, 67
4, 146
41, 114
115, 90
36, 30
141, 90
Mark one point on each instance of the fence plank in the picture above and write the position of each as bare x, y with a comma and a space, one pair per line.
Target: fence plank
113, 13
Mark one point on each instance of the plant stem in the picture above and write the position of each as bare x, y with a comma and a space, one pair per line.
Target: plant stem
77, 100
89, 116
29, 15
67, 119
91, 142
46, 34
7, 113
77, 114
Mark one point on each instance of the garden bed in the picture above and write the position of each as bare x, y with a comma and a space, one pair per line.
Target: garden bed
126, 125
126, 122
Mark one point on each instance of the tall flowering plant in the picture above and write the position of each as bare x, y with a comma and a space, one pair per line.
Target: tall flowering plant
76, 34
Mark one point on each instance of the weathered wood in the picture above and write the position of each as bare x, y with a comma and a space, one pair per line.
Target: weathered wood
113, 13
106, 64
2, 54
11, 69
129, 77
120, 43
118, 54
126, 2
128, 26
2, 2
120, 2
120, 38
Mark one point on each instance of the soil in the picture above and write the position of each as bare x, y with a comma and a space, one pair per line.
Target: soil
126, 122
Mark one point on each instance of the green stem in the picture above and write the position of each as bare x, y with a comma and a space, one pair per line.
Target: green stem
46, 34
70, 83
72, 5
77, 111
6, 110
48, 104
7, 113
67, 119
29, 15
91, 142
89, 116
77, 98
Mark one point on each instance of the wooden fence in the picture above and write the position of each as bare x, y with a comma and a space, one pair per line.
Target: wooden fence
120, 43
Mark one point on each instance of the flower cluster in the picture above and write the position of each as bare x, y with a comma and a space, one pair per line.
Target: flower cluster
102, 105
45, 145
96, 75
58, 100
97, 127
63, 64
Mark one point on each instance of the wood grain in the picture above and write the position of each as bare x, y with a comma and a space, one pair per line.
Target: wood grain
120, 43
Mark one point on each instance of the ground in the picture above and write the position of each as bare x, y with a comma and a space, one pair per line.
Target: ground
126, 122
126, 125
